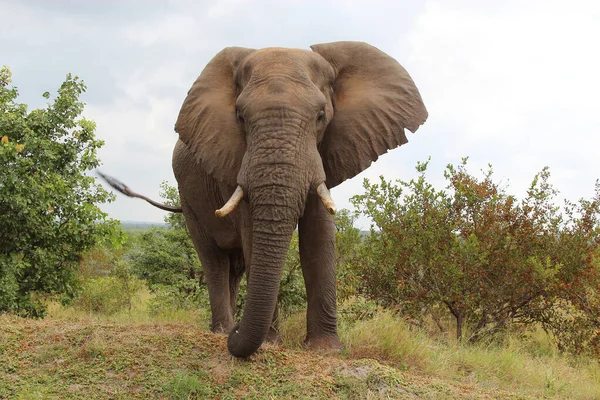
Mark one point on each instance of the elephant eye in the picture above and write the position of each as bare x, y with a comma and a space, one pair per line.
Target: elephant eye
321, 116
238, 115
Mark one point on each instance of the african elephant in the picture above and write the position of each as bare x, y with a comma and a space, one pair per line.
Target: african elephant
267, 132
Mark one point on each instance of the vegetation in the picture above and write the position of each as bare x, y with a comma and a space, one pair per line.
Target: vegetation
485, 258
107, 360
50, 213
464, 291
73, 354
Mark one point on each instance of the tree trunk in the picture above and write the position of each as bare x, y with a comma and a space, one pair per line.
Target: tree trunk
459, 326
459, 316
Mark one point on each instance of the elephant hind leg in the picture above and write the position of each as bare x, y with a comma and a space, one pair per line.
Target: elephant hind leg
236, 273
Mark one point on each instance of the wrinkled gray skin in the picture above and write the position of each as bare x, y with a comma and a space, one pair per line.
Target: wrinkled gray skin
279, 122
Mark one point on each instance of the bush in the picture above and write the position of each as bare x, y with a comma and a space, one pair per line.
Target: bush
100, 296
111, 294
168, 298
166, 257
357, 308
292, 291
485, 257
349, 251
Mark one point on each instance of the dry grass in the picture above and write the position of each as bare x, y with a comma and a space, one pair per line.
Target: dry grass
528, 367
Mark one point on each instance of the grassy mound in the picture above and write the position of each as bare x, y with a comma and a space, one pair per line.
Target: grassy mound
61, 359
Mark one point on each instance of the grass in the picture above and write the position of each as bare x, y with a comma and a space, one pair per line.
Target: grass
52, 359
512, 367
532, 367
171, 355
140, 313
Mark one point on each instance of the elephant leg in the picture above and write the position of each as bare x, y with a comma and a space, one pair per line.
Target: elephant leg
216, 271
236, 272
216, 264
316, 231
273, 336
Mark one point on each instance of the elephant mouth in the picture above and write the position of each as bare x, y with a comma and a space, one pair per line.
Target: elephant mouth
238, 195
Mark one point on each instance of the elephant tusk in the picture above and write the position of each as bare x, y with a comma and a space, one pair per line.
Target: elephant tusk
326, 198
232, 203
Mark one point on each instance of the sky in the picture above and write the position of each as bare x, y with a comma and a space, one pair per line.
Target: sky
511, 83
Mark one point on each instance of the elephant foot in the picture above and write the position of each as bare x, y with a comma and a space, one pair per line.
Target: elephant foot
221, 328
326, 344
273, 337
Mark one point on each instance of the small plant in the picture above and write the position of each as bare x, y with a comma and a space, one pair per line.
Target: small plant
184, 386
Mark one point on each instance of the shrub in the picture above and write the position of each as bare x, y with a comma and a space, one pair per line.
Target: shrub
485, 257
168, 298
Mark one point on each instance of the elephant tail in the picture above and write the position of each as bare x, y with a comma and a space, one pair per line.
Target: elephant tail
123, 188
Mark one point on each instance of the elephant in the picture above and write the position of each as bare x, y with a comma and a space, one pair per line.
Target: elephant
263, 135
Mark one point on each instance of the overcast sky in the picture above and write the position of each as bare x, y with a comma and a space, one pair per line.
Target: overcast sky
511, 83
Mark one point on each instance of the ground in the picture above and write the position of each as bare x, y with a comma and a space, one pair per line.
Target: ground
57, 359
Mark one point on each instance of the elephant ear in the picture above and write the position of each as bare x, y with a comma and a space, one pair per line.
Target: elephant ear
207, 123
374, 100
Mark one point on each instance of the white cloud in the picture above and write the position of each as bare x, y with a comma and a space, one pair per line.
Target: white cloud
143, 83
170, 30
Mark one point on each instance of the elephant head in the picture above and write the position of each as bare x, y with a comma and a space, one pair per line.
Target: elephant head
279, 124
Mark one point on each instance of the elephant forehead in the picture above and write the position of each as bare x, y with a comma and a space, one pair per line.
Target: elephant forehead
279, 53
283, 60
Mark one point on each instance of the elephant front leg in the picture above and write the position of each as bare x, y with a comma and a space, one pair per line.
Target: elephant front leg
216, 271
216, 264
317, 255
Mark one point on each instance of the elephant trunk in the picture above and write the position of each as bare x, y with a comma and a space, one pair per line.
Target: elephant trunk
280, 166
274, 219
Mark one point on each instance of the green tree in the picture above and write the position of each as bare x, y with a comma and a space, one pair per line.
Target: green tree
574, 318
406, 263
49, 214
